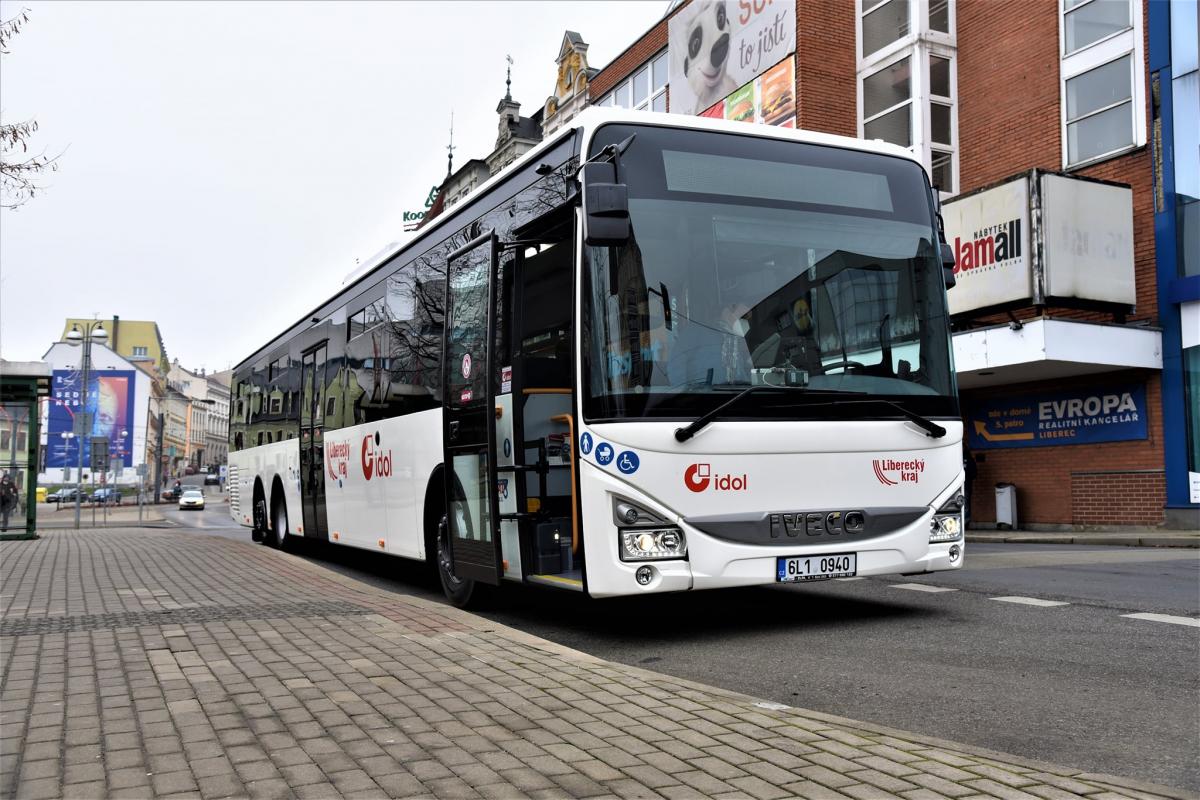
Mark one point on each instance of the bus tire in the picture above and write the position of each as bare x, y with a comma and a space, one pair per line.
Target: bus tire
258, 508
281, 537
459, 591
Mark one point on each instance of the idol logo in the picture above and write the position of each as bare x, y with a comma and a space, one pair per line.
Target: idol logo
890, 472
375, 462
699, 477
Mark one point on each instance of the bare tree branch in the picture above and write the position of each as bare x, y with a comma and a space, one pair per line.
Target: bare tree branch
19, 173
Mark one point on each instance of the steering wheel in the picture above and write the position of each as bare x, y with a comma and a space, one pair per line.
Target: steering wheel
845, 364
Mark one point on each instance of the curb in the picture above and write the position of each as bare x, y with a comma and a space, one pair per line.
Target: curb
1114, 539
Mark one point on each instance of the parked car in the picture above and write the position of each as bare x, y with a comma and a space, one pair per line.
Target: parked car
171, 493
66, 495
107, 496
212, 479
189, 470
191, 498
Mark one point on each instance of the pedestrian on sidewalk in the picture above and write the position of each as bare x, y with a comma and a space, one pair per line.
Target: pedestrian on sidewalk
9, 499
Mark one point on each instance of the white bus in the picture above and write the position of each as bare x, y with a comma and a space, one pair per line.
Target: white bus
658, 353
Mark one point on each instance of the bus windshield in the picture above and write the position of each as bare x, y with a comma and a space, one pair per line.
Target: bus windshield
756, 261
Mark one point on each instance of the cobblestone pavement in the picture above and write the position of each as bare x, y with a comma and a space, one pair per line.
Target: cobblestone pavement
153, 663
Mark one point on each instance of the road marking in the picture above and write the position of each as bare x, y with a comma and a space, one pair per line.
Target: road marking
847, 580
1030, 601
922, 587
1195, 623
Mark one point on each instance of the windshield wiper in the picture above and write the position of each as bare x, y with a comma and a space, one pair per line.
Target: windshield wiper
932, 429
685, 433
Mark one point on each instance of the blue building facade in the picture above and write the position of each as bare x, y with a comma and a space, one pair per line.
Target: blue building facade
1174, 33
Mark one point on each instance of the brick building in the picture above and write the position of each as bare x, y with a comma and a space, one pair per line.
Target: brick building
1041, 109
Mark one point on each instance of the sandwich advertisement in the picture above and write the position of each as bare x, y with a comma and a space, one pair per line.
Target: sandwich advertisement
719, 47
769, 99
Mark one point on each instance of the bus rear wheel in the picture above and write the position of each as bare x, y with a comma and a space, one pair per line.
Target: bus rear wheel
459, 591
261, 530
279, 527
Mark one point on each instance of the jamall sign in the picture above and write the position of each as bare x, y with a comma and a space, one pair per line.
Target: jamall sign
904, 471
989, 246
699, 477
375, 462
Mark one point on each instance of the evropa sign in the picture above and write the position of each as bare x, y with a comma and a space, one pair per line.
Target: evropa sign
1080, 416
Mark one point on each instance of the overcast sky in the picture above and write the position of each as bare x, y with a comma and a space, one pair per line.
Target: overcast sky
224, 164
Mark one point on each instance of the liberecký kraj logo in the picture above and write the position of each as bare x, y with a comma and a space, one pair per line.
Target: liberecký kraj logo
376, 462
891, 472
700, 477
337, 457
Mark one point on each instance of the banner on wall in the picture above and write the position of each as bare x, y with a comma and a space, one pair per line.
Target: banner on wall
717, 47
769, 99
1081, 416
108, 414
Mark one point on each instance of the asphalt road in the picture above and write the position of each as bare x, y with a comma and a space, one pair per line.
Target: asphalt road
1078, 683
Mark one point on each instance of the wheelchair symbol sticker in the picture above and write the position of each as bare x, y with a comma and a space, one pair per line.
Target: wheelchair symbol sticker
604, 454
628, 462
585, 443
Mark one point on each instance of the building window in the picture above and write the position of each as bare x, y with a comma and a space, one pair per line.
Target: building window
1102, 73
907, 87
887, 104
645, 90
139, 351
883, 22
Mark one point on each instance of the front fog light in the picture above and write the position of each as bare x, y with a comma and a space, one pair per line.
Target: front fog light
644, 575
955, 552
650, 544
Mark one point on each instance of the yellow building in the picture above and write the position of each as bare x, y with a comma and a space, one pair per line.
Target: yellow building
135, 340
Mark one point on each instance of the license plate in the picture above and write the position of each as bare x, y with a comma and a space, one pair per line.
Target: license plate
795, 569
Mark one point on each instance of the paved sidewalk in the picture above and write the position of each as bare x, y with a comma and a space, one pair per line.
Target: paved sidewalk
149, 662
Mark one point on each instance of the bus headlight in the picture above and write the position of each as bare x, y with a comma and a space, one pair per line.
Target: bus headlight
652, 544
947, 522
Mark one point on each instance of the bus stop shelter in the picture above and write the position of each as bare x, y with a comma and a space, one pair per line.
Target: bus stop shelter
22, 386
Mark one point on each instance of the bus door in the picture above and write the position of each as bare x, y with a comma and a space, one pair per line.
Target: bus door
469, 435
312, 443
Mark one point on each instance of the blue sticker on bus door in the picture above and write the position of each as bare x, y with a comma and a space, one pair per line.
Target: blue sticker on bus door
628, 462
604, 454
585, 443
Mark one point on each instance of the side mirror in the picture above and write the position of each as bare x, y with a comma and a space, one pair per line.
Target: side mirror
948, 265
605, 206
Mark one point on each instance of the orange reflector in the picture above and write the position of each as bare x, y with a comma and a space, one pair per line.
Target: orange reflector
504, 564
335, 535
533, 505
381, 542
299, 529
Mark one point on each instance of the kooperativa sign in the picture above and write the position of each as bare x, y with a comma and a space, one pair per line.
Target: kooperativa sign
1081, 416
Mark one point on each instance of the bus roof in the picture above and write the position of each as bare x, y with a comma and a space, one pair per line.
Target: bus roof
587, 121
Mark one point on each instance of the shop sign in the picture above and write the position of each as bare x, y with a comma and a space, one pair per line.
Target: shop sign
989, 232
720, 46
1087, 415
1041, 238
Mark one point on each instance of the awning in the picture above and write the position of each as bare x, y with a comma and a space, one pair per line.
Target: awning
1044, 349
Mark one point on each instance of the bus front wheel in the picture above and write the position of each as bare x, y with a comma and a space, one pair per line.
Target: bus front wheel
458, 590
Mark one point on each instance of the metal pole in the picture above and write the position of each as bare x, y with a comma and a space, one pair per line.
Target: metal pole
87, 346
158, 460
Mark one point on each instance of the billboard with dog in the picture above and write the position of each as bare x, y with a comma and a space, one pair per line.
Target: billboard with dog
717, 47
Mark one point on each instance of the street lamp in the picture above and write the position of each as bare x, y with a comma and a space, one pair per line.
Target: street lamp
91, 332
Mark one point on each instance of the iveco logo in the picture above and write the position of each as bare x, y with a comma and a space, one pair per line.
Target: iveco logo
817, 523
699, 477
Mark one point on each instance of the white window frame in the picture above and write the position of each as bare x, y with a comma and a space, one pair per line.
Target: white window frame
919, 44
610, 97
1103, 51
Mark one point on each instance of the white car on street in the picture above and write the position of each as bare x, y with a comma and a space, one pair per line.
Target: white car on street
191, 498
